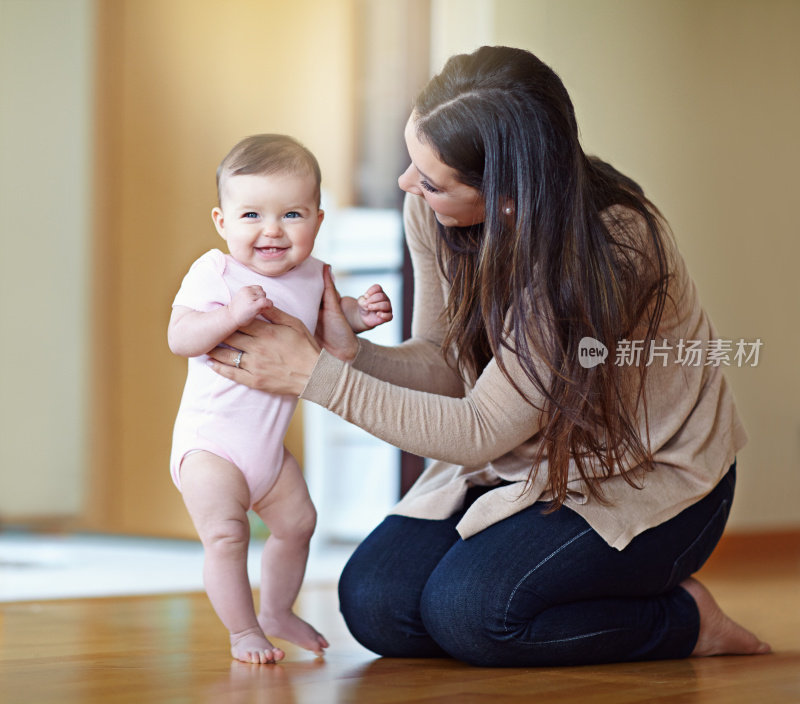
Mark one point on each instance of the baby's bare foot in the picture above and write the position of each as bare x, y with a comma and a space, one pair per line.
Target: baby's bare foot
292, 628
251, 646
719, 634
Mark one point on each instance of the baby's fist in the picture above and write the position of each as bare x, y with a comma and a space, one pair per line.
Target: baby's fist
374, 307
247, 303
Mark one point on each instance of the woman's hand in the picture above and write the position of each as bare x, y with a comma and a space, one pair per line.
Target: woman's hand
277, 356
333, 331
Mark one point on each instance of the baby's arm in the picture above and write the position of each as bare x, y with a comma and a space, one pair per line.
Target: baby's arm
369, 310
193, 332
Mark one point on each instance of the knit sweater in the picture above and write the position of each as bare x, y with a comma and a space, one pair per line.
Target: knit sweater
485, 432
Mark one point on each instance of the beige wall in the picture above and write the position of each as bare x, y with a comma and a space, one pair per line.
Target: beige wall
699, 100
180, 83
45, 139
114, 115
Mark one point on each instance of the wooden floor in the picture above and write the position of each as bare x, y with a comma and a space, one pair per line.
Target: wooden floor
172, 649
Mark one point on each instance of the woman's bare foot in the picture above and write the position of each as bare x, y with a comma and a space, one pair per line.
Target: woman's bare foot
292, 628
251, 646
719, 634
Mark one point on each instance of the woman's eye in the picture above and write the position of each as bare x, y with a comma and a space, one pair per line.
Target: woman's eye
427, 186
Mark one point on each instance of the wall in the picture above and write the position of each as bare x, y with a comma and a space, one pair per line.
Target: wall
699, 102
45, 123
179, 83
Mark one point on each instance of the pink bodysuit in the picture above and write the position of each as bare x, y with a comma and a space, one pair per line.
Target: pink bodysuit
240, 424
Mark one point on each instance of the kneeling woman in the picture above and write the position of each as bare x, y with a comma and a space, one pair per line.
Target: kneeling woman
569, 502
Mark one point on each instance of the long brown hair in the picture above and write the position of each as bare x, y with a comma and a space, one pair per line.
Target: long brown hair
565, 266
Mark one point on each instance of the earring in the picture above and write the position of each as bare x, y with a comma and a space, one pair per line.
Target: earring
508, 210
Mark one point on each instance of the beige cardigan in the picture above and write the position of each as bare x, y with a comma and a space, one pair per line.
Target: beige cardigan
486, 433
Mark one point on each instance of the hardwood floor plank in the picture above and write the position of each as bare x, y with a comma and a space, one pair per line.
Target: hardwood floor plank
173, 649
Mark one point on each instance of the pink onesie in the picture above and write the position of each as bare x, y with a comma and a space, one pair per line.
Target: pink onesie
240, 424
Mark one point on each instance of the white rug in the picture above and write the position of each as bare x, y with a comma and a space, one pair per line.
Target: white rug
35, 567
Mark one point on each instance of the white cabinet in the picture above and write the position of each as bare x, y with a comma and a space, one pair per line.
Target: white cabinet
354, 478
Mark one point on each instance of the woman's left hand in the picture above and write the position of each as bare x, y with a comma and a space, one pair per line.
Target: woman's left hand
277, 356
333, 331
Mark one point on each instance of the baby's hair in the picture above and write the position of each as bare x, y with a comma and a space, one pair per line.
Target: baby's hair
266, 154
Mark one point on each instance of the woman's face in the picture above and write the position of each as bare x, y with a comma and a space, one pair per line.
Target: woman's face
455, 203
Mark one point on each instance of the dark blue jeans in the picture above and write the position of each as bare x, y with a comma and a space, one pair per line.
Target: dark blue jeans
535, 589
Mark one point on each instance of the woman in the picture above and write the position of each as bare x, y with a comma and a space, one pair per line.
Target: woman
571, 498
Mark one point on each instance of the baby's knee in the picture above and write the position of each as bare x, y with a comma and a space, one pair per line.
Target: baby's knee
297, 523
229, 535
306, 521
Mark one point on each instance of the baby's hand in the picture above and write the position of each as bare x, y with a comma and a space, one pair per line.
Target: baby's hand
247, 303
374, 307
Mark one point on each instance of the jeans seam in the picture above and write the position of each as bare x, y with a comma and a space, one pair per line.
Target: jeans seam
565, 640
532, 570
721, 508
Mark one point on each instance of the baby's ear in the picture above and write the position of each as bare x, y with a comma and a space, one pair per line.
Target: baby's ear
219, 221
320, 218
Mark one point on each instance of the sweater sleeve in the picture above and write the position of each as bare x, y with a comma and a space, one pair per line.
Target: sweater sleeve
492, 419
417, 363
414, 364
410, 397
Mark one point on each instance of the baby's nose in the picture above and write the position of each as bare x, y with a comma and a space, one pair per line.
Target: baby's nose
272, 228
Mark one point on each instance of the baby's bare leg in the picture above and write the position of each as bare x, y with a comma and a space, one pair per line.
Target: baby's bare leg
217, 497
290, 516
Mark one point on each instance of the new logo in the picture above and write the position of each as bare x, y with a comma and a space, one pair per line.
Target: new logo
591, 352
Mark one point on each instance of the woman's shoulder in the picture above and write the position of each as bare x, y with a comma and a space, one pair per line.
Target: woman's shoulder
624, 220
639, 232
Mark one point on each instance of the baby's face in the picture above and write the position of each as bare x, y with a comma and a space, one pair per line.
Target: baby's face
269, 221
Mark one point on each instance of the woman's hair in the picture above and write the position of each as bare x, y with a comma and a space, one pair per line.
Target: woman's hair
561, 267
266, 154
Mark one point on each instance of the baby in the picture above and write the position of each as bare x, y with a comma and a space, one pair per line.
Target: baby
228, 454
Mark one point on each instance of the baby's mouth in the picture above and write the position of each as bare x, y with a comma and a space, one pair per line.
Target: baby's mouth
269, 252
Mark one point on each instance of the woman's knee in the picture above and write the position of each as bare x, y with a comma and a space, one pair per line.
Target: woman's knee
361, 590
461, 616
370, 606
379, 597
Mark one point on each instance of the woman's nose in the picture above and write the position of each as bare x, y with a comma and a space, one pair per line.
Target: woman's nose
407, 183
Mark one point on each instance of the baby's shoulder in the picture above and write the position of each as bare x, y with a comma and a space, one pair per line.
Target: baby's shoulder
309, 276
212, 262
315, 265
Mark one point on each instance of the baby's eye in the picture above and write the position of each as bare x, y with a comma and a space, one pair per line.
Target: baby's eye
292, 214
427, 186
251, 214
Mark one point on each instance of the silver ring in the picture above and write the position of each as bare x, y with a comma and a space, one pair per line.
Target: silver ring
238, 360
